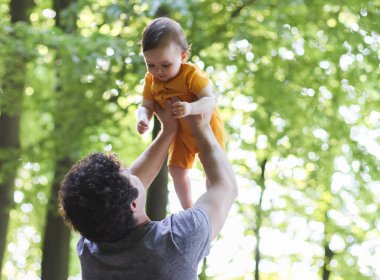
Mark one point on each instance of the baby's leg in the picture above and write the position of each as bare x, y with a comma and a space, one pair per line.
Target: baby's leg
182, 185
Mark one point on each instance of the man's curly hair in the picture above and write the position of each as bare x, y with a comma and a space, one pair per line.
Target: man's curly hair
95, 198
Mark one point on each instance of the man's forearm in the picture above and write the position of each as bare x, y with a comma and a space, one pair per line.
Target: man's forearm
215, 163
149, 163
222, 190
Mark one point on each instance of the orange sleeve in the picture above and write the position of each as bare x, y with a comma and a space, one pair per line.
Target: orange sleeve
196, 80
147, 92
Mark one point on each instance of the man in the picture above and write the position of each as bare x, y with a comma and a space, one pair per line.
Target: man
105, 203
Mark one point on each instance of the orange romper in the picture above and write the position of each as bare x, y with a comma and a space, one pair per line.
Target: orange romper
189, 81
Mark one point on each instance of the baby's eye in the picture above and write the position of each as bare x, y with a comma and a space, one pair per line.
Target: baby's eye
150, 65
166, 65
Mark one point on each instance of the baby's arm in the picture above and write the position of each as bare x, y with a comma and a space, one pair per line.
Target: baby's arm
144, 114
205, 103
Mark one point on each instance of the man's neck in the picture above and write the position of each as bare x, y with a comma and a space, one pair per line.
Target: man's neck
141, 219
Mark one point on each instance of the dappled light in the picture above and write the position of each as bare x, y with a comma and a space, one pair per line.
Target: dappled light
297, 84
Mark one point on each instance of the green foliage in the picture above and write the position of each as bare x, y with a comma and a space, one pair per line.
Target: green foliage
296, 81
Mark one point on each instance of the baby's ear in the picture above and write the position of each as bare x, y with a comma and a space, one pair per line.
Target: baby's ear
185, 56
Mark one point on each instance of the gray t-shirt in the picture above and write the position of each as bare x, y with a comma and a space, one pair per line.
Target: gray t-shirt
169, 250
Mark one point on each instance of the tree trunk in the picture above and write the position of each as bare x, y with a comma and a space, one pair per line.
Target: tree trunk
329, 254
259, 219
56, 245
11, 102
9, 145
59, 6
326, 270
157, 198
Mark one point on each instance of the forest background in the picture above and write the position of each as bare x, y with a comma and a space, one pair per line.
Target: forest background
297, 83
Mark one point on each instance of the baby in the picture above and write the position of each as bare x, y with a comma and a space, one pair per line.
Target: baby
171, 77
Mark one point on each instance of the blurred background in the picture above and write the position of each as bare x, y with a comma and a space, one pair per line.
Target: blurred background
297, 83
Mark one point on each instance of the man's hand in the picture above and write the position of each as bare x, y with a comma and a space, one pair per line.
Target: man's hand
142, 126
199, 121
149, 163
181, 109
169, 124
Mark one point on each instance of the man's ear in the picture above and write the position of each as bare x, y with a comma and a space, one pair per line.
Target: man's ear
133, 206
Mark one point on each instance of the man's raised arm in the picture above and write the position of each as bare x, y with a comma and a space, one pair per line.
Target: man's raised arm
222, 191
149, 163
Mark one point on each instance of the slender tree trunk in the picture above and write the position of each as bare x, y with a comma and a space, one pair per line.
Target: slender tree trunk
56, 248
329, 254
259, 219
56, 245
326, 270
157, 198
13, 83
9, 145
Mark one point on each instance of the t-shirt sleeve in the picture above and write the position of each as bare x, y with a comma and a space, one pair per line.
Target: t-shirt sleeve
196, 80
191, 231
147, 91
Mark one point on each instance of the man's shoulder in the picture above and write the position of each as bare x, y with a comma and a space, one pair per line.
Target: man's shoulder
193, 212
188, 222
191, 233
189, 214
182, 239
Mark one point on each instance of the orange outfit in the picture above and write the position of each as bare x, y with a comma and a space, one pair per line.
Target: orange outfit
189, 81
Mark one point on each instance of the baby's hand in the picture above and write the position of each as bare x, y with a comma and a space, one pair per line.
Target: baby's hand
181, 109
142, 126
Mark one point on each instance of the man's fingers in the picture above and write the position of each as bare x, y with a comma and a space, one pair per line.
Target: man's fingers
174, 99
177, 104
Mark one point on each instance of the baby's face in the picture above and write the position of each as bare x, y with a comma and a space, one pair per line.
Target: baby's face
164, 62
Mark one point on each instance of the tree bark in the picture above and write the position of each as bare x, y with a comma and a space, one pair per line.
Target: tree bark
326, 270
56, 244
259, 219
329, 254
9, 145
157, 198
10, 111
59, 6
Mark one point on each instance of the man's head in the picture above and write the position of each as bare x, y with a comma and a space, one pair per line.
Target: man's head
95, 198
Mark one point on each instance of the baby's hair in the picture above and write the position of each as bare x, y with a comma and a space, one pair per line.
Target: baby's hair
160, 32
